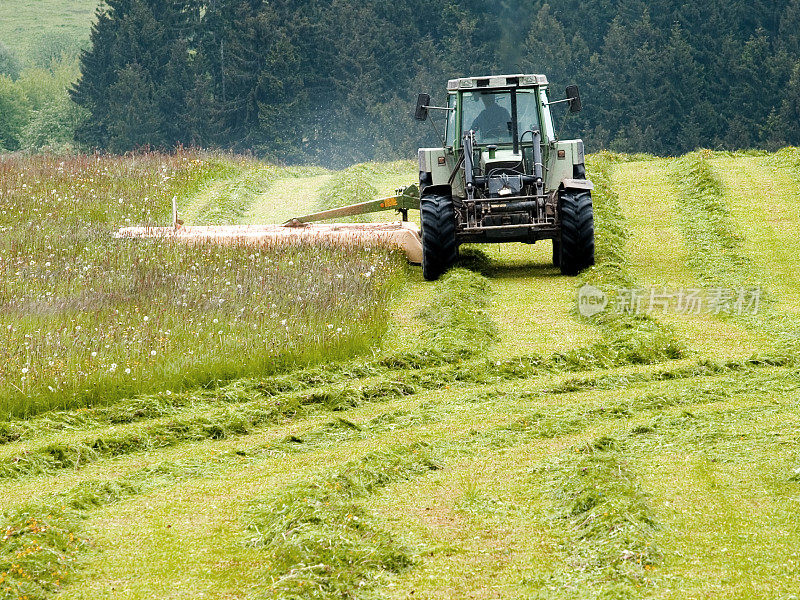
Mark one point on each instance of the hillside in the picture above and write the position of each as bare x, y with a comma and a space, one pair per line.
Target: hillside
29, 28
508, 448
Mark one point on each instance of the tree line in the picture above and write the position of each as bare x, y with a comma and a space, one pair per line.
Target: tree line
334, 81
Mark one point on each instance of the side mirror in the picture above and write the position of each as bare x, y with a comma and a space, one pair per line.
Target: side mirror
574, 99
423, 102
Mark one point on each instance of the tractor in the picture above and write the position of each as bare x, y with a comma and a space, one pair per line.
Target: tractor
502, 175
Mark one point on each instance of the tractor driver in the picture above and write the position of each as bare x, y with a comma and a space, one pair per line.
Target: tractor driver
494, 120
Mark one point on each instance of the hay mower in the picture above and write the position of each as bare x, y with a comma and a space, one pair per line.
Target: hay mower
500, 175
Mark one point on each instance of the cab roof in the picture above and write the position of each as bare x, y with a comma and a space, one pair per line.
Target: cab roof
496, 81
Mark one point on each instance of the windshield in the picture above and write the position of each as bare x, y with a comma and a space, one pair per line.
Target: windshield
489, 115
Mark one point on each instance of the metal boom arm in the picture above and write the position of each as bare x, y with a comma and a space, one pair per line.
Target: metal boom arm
406, 198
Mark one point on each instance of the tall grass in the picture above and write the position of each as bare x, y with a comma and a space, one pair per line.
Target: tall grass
86, 319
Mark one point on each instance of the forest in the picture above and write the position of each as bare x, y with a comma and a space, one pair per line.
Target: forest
333, 82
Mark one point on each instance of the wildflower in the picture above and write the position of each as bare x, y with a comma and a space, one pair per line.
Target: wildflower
25, 370
113, 367
127, 370
152, 352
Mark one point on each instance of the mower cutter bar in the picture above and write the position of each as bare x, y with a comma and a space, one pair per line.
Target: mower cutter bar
405, 236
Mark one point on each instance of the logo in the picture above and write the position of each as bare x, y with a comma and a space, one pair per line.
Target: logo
591, 300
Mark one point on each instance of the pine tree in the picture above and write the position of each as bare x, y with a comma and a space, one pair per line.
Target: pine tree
138, 61
232, 48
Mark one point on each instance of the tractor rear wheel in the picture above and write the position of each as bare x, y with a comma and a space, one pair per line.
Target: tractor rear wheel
556, 252
439, 248
577, 231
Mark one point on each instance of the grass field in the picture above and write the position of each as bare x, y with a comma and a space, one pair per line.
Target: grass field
26, 27
489, 443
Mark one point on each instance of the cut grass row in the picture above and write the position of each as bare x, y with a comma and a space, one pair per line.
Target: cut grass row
557, 424
658, 257
768, 229
718, 252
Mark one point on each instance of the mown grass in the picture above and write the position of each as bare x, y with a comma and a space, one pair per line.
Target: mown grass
647, 338
718, 255
43, 540
319, 542
86, 319
659, 257
608, 523
768, 232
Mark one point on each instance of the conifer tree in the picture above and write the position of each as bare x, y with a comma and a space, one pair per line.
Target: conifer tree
136, 76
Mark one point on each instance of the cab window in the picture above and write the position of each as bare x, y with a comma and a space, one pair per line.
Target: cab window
450, 135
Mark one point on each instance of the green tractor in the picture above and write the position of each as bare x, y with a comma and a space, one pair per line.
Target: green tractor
500, 175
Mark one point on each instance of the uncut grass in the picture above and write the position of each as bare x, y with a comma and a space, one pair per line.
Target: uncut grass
85, 318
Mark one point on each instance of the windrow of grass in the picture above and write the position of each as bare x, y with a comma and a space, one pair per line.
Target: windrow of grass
319, 542
718, 256
607, 523
556, 420
43, 541
86, 319
647, 339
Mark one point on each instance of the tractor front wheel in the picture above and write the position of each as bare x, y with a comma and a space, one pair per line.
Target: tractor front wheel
439, 248
577, 231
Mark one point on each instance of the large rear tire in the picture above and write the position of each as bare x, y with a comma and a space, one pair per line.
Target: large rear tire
577, 231
439, 249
